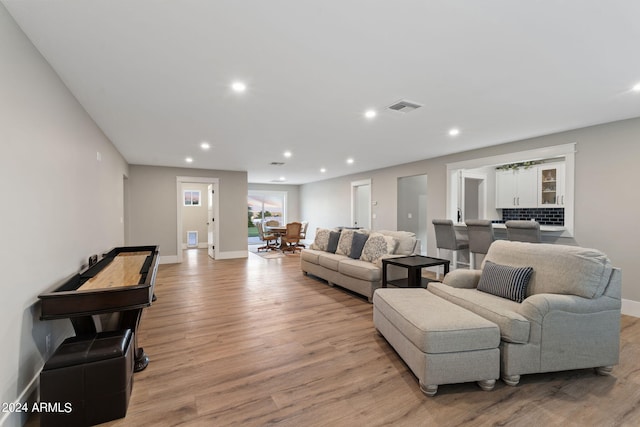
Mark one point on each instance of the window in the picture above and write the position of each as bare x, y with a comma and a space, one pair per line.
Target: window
265, 206
192, 197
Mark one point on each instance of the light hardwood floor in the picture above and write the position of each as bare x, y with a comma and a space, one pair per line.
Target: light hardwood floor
253, 342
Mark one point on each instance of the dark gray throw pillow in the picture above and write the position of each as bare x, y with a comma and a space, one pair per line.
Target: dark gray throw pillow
359, 239
505, 281
334, 237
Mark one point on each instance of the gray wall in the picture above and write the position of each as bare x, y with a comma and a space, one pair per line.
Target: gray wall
605, 194
60, 204
153, 207
412, 192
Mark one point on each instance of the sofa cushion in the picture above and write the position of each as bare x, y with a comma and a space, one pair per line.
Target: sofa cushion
557, 269
505, 281
358, 269
332, 245
311, 255
514, 327
406, 241
330, 261
376, 246
322, 239
357, 245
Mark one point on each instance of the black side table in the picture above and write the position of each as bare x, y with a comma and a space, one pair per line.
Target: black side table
414, 264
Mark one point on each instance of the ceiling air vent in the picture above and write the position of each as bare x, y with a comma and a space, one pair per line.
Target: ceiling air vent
404, 106
276, 163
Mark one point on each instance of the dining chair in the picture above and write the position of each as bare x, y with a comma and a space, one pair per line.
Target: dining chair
266, 237
446, 239
272, 223
480, 232
303, 233
289, 240
523, 231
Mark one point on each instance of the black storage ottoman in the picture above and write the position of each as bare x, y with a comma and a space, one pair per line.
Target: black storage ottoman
89, 378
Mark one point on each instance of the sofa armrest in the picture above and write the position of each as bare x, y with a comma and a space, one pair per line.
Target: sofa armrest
463, 278
536, 307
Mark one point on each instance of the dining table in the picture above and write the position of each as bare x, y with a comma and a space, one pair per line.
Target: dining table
278, 231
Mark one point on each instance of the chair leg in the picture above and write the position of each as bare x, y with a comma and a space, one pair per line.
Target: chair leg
438, 267
454, 259
472, 260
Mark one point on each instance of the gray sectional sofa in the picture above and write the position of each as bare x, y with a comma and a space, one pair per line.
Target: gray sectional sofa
569, 316
363, 273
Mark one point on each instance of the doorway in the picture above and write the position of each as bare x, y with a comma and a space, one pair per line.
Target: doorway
473, 197
211, 199
265, 205
361, 203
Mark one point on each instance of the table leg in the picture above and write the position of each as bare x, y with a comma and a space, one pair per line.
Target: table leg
414, 277
384, 274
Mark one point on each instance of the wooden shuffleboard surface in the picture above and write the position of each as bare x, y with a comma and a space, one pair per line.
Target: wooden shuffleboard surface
124, 270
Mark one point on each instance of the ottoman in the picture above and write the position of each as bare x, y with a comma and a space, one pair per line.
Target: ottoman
89, 378
442, 343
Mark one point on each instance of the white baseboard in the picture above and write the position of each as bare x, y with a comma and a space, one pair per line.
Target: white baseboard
631, 308
29, 395
201, 245
232, 254
168, 259
173, 259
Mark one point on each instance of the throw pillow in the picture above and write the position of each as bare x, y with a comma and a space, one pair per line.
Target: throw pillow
357, 244
322, 239
505, 281
344, 244
334, 237
376, 246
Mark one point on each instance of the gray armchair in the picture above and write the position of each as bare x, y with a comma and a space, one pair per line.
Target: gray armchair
570, 318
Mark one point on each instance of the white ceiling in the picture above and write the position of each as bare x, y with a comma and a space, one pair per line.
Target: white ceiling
155, 75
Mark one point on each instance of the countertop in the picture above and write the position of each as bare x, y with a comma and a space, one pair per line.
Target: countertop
543, 228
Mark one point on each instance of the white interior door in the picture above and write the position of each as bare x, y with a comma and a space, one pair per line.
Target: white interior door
361, 204
211, 222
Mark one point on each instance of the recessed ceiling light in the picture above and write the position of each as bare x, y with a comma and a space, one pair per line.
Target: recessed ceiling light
636, 88
189, 160
238, 87
323, 170
350, 160
454, 132
370, 114
282, 178
287, 154
205, 145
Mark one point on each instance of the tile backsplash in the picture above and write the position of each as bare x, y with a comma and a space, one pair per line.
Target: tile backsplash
545, 216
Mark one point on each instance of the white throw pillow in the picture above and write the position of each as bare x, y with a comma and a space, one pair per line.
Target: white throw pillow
344, 244
322, 239
378, 245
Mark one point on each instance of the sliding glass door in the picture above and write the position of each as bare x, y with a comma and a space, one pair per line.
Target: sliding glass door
265, 206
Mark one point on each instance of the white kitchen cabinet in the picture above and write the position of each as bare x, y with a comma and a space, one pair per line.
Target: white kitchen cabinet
551, 188
517, 188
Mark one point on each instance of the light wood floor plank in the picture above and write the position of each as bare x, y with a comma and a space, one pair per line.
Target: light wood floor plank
254, 342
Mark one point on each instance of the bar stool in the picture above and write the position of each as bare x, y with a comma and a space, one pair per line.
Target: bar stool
480, 232
446, 239
523, 231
